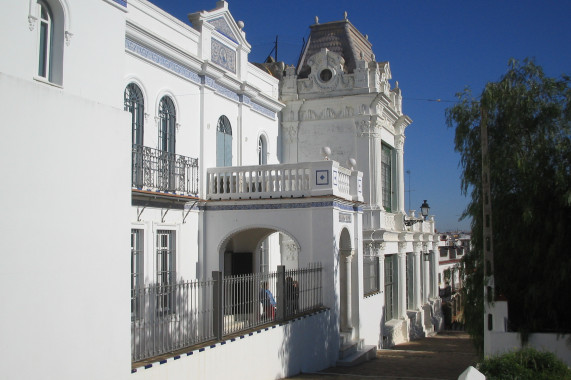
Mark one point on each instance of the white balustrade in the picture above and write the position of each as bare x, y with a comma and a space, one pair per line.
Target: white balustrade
284, 181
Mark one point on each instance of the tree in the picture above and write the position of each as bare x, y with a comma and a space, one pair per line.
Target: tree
529, 140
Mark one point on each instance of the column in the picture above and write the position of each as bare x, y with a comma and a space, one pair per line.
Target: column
401, 280
416, 280
399, 145
434, 260
348, 261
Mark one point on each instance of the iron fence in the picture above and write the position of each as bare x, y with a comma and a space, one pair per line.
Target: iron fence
202, 311
156, 330
158, 170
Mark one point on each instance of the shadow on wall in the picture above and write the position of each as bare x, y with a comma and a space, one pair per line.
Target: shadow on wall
385, 339
302, 351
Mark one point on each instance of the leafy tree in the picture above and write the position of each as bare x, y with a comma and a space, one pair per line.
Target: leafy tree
529, 141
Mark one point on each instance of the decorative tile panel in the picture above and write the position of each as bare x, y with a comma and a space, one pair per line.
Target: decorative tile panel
223, 56
263, 110
322, 177
184, 71
223, 28
161, 60
277, 206
221, 89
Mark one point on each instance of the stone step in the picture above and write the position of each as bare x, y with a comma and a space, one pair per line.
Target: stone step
358, 356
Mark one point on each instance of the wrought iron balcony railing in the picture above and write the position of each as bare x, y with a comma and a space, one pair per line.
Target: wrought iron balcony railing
157, 170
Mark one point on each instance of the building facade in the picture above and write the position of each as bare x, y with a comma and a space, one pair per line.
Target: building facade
163, 130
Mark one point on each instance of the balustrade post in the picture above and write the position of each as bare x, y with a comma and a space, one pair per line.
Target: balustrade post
217, 305
280, 293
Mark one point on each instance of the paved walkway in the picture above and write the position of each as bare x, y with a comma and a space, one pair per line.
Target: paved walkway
443, 356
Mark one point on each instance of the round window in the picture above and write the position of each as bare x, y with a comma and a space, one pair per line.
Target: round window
325, 75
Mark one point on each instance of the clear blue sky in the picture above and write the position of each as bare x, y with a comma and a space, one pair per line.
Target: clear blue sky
435, 49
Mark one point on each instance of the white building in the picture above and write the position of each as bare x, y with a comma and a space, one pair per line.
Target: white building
228, 178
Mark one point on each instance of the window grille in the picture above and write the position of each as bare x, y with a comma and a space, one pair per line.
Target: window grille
136, 271
386, 170
370, 274
167, 125
166, 271
389, 288
135, 104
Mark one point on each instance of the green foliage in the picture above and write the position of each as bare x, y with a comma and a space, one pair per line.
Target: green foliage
525, 364
529, 141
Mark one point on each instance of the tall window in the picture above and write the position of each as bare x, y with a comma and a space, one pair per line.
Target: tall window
167, 125
45, 51
135, 104
136, 273
410, 263
386, 170
370, 273
389, 288
223, 142
166, 271
262, 151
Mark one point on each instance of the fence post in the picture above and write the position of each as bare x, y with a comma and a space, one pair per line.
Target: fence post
217, 305
280, 293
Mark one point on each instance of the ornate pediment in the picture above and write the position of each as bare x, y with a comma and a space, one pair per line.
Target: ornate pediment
221, 26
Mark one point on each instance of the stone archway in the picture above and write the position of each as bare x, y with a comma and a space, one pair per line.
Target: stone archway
261, 249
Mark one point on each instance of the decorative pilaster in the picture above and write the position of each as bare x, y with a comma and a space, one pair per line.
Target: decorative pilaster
399, 145
348, 311
401, 278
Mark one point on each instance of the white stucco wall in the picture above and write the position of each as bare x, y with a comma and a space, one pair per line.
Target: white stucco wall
302, 345
65, 206
501, 342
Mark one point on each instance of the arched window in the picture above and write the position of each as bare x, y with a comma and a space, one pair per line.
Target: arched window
135, 104
262, 151
167, 125
45, 31
50, 18
223, 142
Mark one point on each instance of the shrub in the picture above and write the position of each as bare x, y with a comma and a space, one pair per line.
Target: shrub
525, 364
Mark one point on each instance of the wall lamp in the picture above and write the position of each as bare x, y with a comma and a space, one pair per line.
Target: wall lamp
424, 209
426, 256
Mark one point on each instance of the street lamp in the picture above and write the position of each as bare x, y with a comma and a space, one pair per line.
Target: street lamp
424, 208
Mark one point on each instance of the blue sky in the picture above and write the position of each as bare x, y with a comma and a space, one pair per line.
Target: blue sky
435, 49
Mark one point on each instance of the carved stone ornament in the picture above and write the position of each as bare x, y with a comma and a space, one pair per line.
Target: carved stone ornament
417, 246
327, 72
32, 21
363, 127
402, 246
68, 36
292, 133
399, 142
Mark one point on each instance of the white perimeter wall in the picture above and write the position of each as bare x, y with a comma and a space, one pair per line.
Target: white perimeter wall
302, 345
501, 342
64, 252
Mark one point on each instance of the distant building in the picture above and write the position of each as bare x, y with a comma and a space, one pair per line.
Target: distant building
264, 203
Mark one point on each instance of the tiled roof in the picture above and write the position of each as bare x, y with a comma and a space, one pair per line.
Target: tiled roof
340, 37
